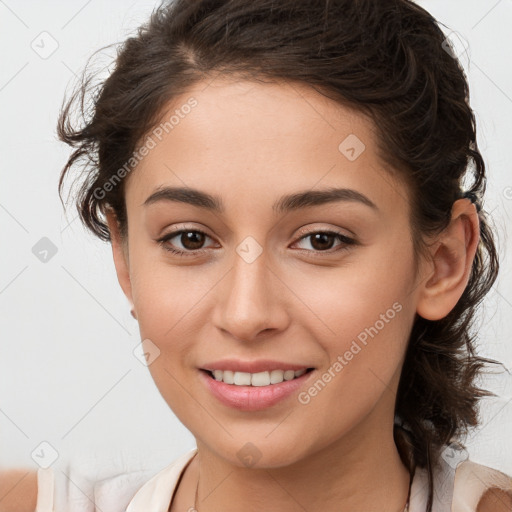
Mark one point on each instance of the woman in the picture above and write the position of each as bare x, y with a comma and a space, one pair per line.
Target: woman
283, 186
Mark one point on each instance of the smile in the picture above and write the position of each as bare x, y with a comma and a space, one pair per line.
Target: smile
247, 391
266, 378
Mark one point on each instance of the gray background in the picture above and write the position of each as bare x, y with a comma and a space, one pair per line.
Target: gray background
68, 375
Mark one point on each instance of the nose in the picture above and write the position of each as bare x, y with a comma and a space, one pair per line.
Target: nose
250, 302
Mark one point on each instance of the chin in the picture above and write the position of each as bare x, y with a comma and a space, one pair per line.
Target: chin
259, 452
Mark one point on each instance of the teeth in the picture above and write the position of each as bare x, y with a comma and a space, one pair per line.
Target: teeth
259, 379
256, 379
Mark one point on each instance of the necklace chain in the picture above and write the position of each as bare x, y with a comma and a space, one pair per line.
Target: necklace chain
197, 491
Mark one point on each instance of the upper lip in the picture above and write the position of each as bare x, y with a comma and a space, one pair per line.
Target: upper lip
261, 365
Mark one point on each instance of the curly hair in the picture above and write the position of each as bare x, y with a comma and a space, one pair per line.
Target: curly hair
388, 59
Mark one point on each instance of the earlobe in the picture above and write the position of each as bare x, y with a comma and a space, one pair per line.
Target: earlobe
120, 255
451, 261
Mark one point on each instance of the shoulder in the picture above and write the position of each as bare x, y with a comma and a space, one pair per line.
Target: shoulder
481, 488
495, 500
75, 487
108, 484
18, 490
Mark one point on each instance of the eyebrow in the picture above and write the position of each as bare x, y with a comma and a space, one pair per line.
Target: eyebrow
284, 204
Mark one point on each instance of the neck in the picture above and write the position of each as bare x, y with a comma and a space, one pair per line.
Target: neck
362, 471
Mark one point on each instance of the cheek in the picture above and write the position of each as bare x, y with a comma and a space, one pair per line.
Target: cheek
363, 310
166, 300
166, 297
363, 334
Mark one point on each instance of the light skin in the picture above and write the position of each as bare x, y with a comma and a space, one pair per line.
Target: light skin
249, 144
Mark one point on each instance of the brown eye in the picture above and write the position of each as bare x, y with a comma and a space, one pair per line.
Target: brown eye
192, 240
322, 241
185, 242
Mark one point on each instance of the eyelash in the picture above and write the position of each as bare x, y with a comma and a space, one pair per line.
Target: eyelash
346, 242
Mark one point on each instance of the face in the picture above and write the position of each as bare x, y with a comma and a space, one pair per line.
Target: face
279, 272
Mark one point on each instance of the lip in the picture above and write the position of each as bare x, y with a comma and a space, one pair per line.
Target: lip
253, 398
261, 365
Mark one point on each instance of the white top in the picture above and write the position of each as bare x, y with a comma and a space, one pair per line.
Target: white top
458, 486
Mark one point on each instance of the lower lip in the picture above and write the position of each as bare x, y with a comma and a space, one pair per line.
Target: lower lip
253, 398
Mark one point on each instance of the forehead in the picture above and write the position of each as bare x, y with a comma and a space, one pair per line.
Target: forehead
252, 139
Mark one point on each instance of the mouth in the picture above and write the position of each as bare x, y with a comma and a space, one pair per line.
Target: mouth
257, 384
250, 392
258, 379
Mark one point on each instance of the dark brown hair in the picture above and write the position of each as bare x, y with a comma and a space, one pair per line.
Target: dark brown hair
386, 58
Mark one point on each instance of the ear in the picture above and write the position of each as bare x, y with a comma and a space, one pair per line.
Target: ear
120, 254
452, 257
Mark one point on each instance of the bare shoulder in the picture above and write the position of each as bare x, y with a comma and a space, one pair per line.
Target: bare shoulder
482, 488
18, 490
495, 500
